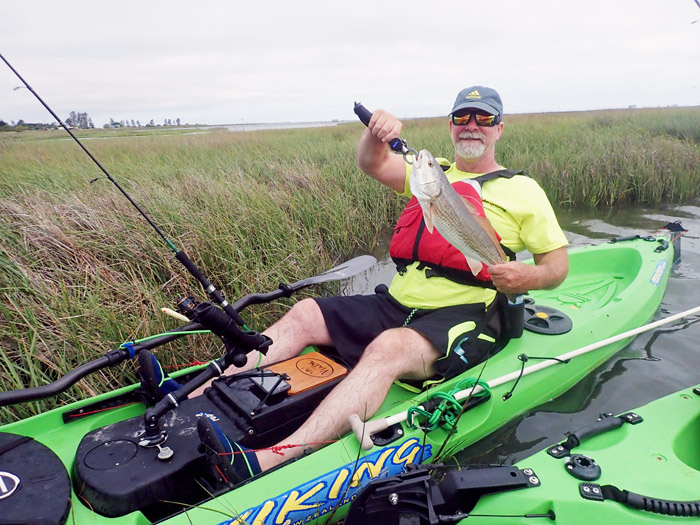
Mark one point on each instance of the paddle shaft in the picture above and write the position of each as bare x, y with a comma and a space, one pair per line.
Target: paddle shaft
363, 430
342, 271
583, 350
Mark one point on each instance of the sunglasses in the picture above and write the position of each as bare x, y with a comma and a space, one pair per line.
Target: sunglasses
482, 119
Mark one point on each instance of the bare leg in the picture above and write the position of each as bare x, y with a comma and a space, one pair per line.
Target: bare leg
396, 353
302, 326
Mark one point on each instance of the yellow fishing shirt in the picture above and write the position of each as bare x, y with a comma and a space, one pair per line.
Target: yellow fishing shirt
521, 214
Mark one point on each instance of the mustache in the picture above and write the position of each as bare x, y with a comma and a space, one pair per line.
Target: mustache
472, 135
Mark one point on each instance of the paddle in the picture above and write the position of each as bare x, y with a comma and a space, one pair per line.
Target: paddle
114, 357
342, 271
364, 430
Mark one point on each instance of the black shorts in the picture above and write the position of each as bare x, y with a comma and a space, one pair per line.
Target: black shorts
456, 331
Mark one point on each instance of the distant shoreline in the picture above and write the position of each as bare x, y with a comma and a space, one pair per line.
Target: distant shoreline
269, 125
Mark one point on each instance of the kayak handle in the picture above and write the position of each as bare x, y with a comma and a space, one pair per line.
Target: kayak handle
661, 506
614, 240
595, 492
604, 424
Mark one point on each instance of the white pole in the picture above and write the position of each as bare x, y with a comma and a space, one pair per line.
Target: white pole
363, 430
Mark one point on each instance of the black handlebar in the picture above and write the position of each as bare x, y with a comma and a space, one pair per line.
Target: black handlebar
111, 358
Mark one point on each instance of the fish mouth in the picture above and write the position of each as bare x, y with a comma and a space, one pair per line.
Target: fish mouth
424, 158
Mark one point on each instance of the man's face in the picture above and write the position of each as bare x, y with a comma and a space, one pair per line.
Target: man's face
473, 141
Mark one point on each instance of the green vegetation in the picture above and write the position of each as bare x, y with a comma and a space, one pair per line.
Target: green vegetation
596, 158
82, 272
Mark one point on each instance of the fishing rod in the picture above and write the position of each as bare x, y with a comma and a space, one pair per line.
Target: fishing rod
224, 328
364, 430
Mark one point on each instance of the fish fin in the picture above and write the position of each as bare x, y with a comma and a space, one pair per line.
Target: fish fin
428, 218
487, 227
499, 249
470, 206
474, 265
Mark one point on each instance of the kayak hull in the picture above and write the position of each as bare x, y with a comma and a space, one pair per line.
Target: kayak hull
611, 288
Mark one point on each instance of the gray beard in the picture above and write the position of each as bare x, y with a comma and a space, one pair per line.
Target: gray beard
470, 150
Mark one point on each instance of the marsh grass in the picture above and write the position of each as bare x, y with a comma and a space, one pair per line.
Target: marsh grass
82, 272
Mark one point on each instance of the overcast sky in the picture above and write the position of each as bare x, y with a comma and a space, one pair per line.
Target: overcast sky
219, 62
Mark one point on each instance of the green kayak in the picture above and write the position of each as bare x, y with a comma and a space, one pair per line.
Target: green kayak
642, 466
88, 462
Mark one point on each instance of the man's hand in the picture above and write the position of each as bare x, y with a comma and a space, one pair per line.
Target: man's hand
512, 277
515, 277
384, 126
373, 154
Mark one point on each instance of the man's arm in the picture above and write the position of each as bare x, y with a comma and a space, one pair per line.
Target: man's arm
373, 154
549, 271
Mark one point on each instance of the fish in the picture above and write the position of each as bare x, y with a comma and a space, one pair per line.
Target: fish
459, 220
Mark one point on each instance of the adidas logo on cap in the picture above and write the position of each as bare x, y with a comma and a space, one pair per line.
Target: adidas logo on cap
481, 98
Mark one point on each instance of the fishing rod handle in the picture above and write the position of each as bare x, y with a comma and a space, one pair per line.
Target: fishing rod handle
364, 114
209, 287
238, 342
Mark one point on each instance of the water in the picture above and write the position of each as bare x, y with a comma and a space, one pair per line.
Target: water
207, 128
653, 365
277, 125
259, 126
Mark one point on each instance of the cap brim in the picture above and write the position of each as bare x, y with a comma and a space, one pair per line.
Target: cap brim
475, 105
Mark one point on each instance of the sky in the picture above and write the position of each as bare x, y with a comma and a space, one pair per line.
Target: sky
234, 62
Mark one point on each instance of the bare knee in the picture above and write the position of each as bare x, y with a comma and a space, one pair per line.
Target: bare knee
403, 352
302, 325
307, 316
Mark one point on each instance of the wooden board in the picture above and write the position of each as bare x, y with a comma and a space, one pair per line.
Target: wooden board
308, 370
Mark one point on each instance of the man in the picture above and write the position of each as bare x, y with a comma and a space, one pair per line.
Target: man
425, 324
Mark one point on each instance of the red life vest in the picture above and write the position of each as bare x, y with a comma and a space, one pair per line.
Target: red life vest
412, 242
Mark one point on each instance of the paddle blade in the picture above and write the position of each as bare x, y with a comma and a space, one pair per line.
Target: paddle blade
342, 271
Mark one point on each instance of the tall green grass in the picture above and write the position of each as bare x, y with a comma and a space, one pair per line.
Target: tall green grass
597, 158
82, 272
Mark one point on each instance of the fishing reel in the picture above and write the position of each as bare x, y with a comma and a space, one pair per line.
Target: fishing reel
238, 342
187, 305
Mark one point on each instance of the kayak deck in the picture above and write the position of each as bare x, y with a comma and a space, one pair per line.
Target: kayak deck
658, 458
